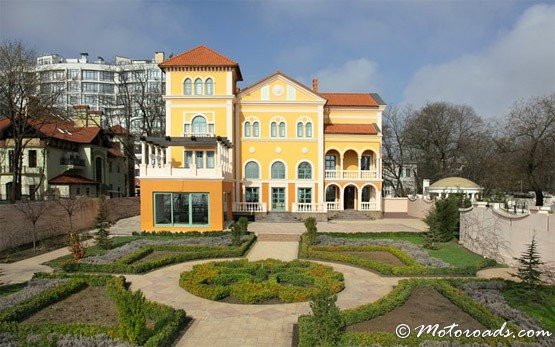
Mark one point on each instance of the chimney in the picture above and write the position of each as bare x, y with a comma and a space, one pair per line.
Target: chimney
425, 186
84, 58
315, 85
158, 57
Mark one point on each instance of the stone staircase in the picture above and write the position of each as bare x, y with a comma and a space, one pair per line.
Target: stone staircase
278, 237
350, 215
276, 217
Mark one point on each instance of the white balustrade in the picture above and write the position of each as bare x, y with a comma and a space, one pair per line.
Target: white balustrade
249, 207
368, 206
334, 206
309, 207
351, 174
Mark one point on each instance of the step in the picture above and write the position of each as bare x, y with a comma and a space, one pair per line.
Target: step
278, 237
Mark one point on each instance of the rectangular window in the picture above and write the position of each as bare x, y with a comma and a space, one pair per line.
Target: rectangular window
188, 159
330, 162
181, 208
265, 93
365, 162
32, 158
304, 195
290, 93
73, 74
211, 128
251, 194
199, 159
73, 86
90, 75
210, 159
407, 172
90, 87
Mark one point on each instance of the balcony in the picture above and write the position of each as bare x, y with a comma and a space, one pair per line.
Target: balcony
309, 207
249, 207
352, 175
168, 171
72, 162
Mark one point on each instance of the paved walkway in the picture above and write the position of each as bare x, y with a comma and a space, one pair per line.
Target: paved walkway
221, 324
126, 226
281, 250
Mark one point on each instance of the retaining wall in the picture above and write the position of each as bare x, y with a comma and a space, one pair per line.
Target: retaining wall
496, 234
16, 230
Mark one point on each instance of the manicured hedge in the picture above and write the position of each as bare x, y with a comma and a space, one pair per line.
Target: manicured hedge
124, 265
260, 281
167, 321
396, 298
411, 267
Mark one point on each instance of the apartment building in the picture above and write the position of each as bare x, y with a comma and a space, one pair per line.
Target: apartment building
274, 146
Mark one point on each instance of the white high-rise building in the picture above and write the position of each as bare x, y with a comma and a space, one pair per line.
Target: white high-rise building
103, 86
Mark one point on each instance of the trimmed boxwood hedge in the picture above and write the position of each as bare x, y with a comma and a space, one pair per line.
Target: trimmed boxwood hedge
184, 253
396, 298
259, 281
411, 267
167, 321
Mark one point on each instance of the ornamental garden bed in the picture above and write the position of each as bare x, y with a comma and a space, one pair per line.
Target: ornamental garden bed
88, 310
147, 252
414, 302
261, 282
407, 255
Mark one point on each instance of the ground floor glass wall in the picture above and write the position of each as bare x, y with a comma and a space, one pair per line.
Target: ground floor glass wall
181, 209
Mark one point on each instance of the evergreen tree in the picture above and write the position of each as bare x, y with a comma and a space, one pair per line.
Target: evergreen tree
329, 323
529, 266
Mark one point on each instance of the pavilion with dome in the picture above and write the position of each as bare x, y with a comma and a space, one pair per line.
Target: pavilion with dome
454, 185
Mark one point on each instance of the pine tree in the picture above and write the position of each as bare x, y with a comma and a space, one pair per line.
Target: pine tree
529, 266
102, 224
327, 318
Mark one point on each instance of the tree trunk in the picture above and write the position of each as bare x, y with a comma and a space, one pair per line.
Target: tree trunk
539, 197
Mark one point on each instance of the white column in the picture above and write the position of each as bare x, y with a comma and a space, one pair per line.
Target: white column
149, 162
168, 156
340, 166
359, 168
143, 152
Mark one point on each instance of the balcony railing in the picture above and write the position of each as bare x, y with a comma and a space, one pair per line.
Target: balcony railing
309, 207
166, 170
368, 206
72, 161
334, 206
249, 207
352, 175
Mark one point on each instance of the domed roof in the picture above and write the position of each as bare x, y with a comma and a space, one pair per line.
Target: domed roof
454, 182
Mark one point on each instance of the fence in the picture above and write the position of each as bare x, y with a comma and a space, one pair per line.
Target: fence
16, 230
417, 206
497, 234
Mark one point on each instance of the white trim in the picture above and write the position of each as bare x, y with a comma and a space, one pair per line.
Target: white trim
229, 120
277, 75
229, 86
321, 155
278, 185
312, 169
245, 170
270, 169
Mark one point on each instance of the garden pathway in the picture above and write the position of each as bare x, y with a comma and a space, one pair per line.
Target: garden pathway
221, 324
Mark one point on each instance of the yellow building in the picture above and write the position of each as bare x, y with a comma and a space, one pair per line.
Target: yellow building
275, 146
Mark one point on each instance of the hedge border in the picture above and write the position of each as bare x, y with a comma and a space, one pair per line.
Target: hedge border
167, 327
334, 253
396, 298
123, 265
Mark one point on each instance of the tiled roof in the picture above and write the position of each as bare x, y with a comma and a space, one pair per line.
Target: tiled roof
353, 129
118, 129
115, 152
201, 56
71, 178
350, 99
62, 130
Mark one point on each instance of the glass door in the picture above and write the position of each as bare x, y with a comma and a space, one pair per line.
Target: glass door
278, 199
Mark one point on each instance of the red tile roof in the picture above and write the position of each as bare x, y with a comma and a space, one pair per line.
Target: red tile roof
4, 122
353, 129
115, 152
71, 178
350, 99
118, 129
201, 56
62, 130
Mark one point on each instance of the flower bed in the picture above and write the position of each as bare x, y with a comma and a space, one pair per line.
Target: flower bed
180, 249
132, 310
396, 299
335, 248
260, 281
32, 289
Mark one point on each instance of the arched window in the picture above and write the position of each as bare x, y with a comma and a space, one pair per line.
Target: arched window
209, 86
308, 128
98, 169
278, 170
187, 87
256, 129
304, 170
247, 130
273, 129
199, 125
252, 171
282, 129
300, 130
198, 86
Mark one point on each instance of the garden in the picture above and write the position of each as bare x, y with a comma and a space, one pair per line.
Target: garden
261, 282
64, 309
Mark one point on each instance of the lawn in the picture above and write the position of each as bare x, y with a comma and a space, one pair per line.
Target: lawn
540, 306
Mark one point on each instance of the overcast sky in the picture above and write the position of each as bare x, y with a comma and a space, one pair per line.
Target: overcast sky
486, 54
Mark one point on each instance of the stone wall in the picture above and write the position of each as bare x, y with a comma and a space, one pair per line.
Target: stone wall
494, 233
16, 230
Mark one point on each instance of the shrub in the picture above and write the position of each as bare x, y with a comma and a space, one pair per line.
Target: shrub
311, 231
76, 247
243, 223
236, 233
131, 314
329, 323
102, 224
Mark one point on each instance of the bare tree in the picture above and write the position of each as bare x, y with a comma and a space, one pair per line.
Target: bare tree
395, 146
440, 133
33, 211
530, 140
25, 102
71, 205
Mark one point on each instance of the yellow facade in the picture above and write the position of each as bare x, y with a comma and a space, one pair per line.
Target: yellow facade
261, 149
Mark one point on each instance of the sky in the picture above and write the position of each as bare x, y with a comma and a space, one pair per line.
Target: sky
486, 54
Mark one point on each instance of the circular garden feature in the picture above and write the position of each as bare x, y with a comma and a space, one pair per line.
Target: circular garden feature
260, 282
